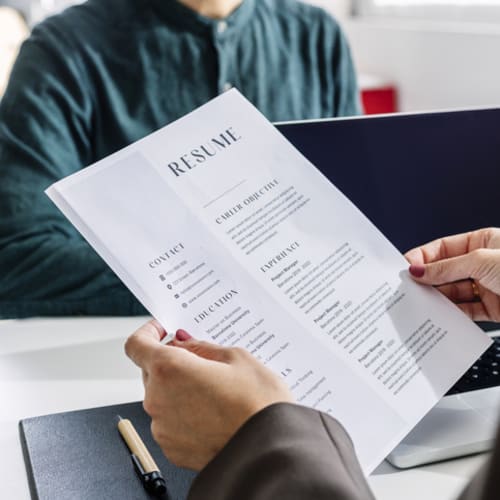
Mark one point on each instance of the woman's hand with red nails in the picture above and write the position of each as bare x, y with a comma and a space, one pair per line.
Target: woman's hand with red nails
465, 268
199, 394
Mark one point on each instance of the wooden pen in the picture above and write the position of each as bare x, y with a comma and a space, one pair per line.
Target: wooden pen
144, 464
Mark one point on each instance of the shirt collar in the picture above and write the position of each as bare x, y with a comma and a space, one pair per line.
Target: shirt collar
186, 18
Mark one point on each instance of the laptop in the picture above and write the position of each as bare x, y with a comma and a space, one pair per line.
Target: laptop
419, 177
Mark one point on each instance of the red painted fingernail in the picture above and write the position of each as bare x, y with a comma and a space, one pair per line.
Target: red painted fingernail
182, 335
417, 271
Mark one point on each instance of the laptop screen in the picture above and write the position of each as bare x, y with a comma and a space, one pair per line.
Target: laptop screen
417, 177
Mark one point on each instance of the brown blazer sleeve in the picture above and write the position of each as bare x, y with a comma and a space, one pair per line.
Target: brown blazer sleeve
486, 484
287, 452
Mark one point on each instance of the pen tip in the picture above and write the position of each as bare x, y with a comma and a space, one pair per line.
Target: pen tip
118, 418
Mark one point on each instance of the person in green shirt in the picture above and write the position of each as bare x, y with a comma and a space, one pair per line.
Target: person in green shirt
106, 73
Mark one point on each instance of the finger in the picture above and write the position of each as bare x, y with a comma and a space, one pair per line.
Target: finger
475, 310
454, 246
442, 248
471, 265
461, 291
143, 342
159, 328
415, 256
201, 348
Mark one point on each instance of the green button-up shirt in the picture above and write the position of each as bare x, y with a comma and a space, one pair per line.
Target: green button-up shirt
106, 73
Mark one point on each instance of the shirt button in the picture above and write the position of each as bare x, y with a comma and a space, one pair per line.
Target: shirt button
227, 86
221, 27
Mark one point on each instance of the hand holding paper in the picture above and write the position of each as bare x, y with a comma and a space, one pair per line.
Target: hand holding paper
215, 389
466, 269
251, 246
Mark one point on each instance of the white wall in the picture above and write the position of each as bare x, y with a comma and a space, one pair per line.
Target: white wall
434, 65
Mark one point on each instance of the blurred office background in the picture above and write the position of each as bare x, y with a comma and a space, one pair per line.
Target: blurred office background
411, 55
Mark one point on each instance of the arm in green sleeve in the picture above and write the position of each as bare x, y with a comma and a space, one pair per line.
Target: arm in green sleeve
46, 118
347, 98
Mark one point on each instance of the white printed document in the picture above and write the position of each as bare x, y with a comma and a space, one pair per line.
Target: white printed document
219, 226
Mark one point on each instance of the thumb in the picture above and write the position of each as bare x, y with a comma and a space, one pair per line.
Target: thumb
470, 265
205, 350
141, 345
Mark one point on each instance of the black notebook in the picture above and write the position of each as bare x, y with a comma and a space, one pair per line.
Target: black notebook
80, 455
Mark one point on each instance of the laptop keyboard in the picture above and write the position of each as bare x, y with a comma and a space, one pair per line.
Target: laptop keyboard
483, 374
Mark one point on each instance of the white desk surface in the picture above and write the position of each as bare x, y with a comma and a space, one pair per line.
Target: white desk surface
54, 365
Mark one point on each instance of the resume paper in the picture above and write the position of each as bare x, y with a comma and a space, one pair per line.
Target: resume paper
219, 226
